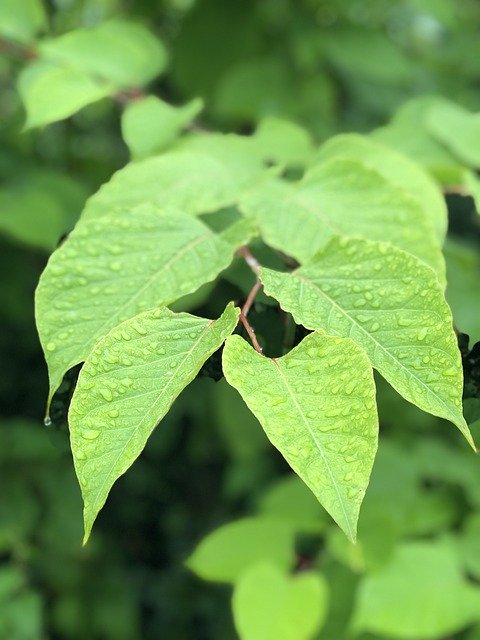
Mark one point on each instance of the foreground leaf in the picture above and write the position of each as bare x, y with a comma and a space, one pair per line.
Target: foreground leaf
195, 182
341, 197
127, 385
390, 304
395, 167
317, 406
227, 552
111, 269
269, 604
419, 595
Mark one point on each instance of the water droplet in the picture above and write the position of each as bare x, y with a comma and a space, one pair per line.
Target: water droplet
47, 421
106, 394
375, 326
361, 302
90, 434
422, 334
51, 346
113, 413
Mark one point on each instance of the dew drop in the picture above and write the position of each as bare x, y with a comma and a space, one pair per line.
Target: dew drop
90, 434
106, 394
47, 421
51, 346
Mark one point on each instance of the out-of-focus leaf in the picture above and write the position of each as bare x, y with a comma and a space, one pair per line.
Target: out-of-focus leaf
269, 604
21, 20
51, 92
458, 129
227, 552
420, 595
121, 53
463, 289
150, 124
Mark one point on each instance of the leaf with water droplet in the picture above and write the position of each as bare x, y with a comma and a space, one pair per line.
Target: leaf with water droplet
113, 413
316, 433
341, 196
162, 257
414, 346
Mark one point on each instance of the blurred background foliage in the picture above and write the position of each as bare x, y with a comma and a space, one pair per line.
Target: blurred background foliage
329, 66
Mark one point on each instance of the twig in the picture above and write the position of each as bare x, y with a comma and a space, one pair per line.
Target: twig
255, 267
250, 259
251, 333
251, 297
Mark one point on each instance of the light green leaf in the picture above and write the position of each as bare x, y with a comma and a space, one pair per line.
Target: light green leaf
50, 92
121, 53
21, 20
419, 595
110, 269
408, 133
341, 197
469, 544
127, 385
390, 304
457, 129
56, 199
228, 551
283, 142
290, 500
193, 181
150, 124
396, 168
471, 183
317, 407
268, 604
463, 290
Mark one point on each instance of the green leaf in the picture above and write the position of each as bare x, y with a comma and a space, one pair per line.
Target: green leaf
127, 385
341, 197
419, 595
150, 124
457, 129
289, 500
121, 53
110, 269
269, 604
318, 413
283, 142
227, 552
195, 182
396, 168
21, 20
463, 290
469, 545
390, 304
55, 198
50, 92
408, 133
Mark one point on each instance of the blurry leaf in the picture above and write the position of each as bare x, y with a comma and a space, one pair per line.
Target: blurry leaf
119, 52
56, 200
471, 183
463, 290
367, 54
193, 181
268, 604
127, 385
469, 545
390, 304
419, 595
253, 89
51, 93
409, 134
150, 124
227, 552
11, 581
21, 20
283, 142
457, 129
289, 500
341, 197
395, 167
331, 445
241, 432
113, 267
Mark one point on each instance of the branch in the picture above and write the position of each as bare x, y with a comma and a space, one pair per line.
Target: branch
255, 267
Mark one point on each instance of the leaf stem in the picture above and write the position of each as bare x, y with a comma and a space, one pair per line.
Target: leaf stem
255, 267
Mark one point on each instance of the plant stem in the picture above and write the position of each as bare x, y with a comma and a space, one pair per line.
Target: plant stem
255, 267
